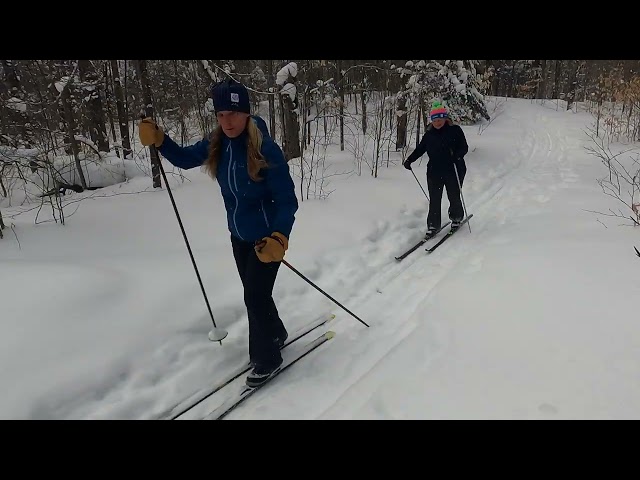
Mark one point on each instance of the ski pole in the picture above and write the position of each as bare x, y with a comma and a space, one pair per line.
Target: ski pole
462, 196
321, 291
216, 334
425, 193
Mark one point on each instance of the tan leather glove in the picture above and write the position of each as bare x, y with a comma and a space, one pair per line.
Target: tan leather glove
271, 249
150, 133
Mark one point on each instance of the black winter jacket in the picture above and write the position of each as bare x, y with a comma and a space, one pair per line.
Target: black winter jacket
443, 146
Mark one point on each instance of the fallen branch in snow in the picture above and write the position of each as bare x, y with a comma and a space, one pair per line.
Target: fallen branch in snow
61, 189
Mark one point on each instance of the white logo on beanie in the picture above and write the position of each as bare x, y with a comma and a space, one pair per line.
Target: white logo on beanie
235, 97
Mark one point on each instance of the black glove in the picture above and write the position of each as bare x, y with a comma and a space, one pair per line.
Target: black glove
407, 164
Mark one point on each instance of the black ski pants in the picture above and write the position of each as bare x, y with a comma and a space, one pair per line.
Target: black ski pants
265, 325
436, 182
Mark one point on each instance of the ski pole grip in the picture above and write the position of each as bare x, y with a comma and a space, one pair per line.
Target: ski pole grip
143, 116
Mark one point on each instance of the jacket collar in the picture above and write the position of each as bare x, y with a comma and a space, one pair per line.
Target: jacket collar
239, 140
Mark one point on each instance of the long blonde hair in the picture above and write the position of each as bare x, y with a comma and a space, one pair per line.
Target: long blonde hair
255, 160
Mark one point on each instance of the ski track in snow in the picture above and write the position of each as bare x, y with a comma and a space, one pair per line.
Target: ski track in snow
353, 369
517, 188
517, 183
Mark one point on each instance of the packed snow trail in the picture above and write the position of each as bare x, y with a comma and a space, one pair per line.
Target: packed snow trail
447, 342
526, 316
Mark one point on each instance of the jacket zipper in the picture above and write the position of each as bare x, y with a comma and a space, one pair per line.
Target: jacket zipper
264, 213
231, 188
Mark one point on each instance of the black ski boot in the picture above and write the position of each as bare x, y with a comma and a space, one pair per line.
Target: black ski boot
279, 341
262, 373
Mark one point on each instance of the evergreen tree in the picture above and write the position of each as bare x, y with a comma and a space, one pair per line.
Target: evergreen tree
452, 82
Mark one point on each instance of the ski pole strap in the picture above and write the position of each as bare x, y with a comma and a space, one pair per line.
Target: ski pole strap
262, 243
278, 239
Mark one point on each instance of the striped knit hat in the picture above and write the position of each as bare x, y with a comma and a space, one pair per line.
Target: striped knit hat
438, 111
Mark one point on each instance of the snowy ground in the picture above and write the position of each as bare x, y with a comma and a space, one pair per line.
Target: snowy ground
531, 315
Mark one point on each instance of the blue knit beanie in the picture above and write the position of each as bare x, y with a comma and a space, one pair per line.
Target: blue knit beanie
230, 95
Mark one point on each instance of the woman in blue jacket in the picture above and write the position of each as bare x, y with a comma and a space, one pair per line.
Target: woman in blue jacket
259, 196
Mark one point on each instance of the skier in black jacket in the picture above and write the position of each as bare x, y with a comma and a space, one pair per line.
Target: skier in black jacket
446, 146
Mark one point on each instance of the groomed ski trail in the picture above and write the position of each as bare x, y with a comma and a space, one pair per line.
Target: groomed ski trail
516, 184
538, 168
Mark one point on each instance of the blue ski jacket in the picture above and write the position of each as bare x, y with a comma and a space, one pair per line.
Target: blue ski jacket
254, 209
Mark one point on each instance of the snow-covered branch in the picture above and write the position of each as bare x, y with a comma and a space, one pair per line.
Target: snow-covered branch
208, 69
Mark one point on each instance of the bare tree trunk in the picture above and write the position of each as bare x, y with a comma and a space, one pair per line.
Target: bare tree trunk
351, 99
71, 127
272, 104
401, 134
2, 227
292, 136
94, 119
424, 109
201, 119
106, 95
556, 80
542, 81
379, 124
341, 92
301, 179
120, 106
303, 108
10, 76
305, 100
512, 80
418, 123
57, 108
17, 120
308, 115
495, 80
146, 94
289, 108
322, 93
282, 122
574, 65
183, 128
126, 98
47, 111
4, 189
363, 97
